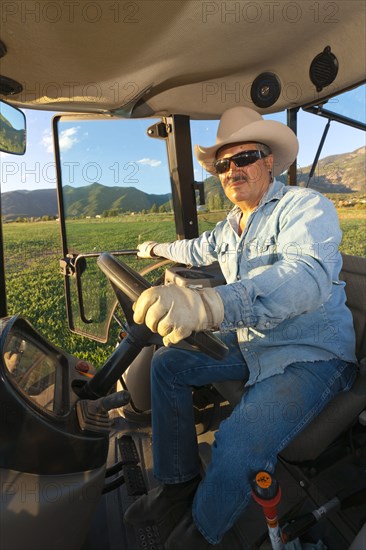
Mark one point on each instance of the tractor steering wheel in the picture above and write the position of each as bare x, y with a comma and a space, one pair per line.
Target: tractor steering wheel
128, 284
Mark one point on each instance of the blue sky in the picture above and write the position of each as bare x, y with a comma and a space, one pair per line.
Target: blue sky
120, 153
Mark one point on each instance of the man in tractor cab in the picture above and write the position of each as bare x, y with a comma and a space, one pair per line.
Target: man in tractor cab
282, 315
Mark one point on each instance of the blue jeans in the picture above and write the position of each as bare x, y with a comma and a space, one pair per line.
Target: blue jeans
270, 414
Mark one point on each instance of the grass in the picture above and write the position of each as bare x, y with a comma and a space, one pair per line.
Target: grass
35, 286
353, 225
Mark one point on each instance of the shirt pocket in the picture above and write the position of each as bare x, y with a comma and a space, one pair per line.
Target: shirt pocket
226, 257
260, 252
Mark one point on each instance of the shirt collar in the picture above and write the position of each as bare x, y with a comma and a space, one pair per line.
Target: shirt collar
274, 191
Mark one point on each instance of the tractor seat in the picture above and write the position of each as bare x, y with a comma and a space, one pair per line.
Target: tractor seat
344, 409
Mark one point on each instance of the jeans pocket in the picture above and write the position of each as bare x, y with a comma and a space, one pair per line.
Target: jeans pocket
348, 376
343, 378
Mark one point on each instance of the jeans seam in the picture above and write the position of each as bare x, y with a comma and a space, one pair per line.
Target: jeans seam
175, 445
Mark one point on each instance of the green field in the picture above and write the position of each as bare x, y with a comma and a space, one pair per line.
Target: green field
35, 285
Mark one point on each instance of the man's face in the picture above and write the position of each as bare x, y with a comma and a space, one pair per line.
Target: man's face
245, 186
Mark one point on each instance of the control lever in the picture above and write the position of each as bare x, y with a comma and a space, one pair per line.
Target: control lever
267, 492
112, 401
345, 499
93, 414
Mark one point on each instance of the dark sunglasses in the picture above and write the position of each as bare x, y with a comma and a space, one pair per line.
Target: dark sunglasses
240, 159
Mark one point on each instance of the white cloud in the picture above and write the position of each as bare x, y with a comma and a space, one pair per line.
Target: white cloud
150, 162
67, 139
47, 141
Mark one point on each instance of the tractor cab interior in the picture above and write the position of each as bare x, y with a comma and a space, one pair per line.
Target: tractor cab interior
124, 78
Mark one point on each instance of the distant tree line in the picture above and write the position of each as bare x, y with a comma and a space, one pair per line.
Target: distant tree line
30, 219
155, 209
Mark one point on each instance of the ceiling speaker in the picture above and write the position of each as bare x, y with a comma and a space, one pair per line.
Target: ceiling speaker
323, 69
265, 90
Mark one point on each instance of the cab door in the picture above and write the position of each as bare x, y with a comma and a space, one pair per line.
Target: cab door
117, 187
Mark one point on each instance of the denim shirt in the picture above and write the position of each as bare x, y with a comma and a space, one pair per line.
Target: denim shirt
283, 295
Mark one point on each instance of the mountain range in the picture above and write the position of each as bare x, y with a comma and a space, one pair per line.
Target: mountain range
90, 200
343, 173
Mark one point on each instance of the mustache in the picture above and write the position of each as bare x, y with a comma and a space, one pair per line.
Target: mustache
234, 179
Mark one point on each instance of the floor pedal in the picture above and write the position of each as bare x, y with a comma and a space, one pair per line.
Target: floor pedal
148, 538
134, 480
128, 451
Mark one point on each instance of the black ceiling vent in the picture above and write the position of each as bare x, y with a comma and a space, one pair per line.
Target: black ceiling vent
323, 69
265, 90
8, 86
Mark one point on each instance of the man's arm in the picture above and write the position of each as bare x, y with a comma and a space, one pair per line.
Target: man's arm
197, 252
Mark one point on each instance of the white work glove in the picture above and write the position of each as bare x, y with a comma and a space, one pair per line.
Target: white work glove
145, 250
176, 311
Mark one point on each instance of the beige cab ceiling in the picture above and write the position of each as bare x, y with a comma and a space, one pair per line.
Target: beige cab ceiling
144, 57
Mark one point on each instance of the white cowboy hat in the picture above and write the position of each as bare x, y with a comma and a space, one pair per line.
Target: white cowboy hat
240, 125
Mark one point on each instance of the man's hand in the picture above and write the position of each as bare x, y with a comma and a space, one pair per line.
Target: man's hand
145, 250
175, 312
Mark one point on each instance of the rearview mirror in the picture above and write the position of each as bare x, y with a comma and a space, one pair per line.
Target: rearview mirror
12, 129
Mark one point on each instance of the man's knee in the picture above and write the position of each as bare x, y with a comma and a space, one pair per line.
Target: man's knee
164, 362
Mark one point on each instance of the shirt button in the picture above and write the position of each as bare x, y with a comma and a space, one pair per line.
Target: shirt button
246, 349
238, 277
240, 323
267, 324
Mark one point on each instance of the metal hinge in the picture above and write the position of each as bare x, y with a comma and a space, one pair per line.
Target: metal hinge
72, 264
160, 130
